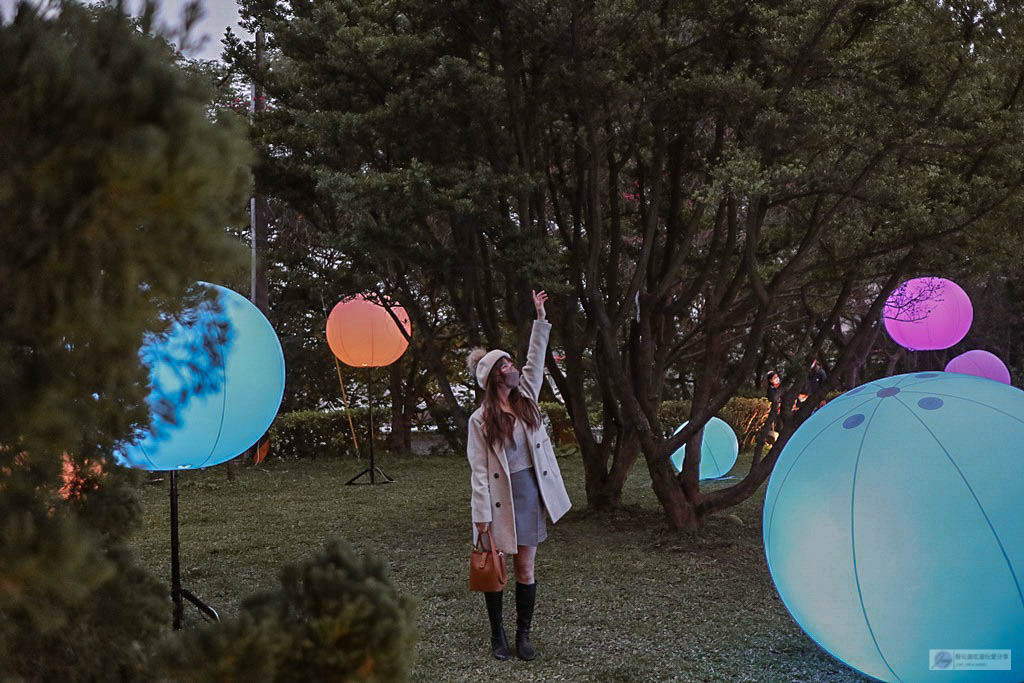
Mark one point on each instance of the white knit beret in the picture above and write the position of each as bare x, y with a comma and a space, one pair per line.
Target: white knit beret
480, 363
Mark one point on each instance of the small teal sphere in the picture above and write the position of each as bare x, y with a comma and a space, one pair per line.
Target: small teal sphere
718, 449
215, 386
894, 528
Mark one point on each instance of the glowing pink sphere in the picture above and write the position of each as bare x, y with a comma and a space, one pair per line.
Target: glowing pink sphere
980, 364
928, 313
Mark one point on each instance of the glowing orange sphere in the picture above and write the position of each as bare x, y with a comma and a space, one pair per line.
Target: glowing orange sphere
363, 334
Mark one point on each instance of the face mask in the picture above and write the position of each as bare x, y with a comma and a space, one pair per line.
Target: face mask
511, 378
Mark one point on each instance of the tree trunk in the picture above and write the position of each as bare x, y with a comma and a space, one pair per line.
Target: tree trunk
603, 485
431, 354
894, 359
400, 438
679, 511
601, 495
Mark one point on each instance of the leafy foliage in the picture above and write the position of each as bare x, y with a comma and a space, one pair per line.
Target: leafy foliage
114, 194
336, 617
115, 191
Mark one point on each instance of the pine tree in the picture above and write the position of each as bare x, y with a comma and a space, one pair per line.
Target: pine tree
116, 186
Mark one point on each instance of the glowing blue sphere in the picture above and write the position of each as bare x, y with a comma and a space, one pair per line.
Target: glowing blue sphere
718, 449
215, 386
894, 528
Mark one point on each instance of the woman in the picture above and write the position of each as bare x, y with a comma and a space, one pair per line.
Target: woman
515, 479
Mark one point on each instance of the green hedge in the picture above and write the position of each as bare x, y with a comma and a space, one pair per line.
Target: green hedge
314, 433
744, 415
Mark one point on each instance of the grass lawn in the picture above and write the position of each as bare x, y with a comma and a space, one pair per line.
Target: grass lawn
620, 596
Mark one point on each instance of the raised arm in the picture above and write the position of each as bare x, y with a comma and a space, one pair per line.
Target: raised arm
533, 371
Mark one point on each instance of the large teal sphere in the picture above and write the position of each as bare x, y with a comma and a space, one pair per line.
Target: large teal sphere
215, 386
894, 528
719, 449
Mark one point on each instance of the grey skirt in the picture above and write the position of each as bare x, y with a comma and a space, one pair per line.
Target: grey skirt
531, 526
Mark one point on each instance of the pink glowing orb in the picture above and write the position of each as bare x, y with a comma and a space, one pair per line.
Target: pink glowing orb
928, 313
980, 364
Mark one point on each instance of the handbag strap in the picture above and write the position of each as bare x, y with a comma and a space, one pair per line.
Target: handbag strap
479, 541
498, 560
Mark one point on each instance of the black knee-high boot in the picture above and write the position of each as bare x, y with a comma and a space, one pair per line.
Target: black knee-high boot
499, 643
526, 596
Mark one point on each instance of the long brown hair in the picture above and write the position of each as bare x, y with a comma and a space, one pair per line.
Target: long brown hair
498, 424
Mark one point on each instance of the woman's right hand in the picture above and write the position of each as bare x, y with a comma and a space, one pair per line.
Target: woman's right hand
538, 302
482, 527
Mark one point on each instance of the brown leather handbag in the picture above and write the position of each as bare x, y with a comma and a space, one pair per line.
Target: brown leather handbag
486, 567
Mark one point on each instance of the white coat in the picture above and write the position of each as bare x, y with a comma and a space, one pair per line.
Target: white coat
489, 479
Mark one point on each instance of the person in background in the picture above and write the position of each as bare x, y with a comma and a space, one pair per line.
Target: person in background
816, 379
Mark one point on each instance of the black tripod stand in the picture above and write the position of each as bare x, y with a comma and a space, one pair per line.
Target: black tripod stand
372, 470
177, 592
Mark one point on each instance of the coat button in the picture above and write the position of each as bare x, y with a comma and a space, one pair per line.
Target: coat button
538, 444
545, 473
497, 505
496, 475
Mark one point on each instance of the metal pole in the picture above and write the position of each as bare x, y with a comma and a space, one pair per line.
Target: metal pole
259, 292
259, 287
369, 392
372, 469
255, 259
175, 564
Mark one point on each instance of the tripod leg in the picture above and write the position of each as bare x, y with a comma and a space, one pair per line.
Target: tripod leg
209, 613
353, 479
372, 470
